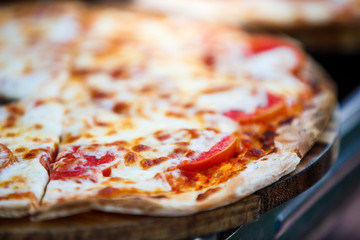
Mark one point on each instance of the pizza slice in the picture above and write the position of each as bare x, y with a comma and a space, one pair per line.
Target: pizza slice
36, 43
29, 138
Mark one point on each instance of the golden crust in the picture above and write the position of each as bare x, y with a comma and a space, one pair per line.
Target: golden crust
15, 208
302, 133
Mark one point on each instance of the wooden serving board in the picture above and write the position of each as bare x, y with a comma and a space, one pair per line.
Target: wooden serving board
99, 225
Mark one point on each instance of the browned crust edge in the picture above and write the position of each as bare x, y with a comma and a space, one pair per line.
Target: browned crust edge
302, 133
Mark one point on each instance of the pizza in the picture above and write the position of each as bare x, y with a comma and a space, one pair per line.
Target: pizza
321, 25
156, 115
271, 13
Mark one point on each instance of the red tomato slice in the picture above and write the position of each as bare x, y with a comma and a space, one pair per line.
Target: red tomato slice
262, 43
275, 106
220, 152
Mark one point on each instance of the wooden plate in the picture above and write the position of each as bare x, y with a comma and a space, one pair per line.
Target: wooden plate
99, 225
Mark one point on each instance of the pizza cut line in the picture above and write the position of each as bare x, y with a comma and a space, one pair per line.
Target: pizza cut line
149, 114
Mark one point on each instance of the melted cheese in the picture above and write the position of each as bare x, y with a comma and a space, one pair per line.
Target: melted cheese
65, 29
244, 99
133, 176
37, 130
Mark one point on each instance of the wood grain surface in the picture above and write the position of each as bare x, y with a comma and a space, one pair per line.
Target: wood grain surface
99, 225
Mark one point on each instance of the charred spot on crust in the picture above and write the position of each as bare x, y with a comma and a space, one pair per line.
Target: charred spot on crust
207, 193
254, 153
274, 150
267, 139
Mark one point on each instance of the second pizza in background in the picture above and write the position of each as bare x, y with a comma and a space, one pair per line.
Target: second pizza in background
321, 25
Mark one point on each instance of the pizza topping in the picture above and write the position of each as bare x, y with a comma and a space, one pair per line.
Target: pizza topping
106, 172
140, 148
121, 107
33, 153
130, 158
260, 44
147, 163
15, 109
6, 157
76, 164
246, 99
275, 106
222, 151
20, 195
161, 136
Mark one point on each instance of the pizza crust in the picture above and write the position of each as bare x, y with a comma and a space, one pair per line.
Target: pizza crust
14, 208
303, 131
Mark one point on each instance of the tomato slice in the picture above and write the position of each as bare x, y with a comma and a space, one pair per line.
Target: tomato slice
262, 43
220, 152
276, 105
